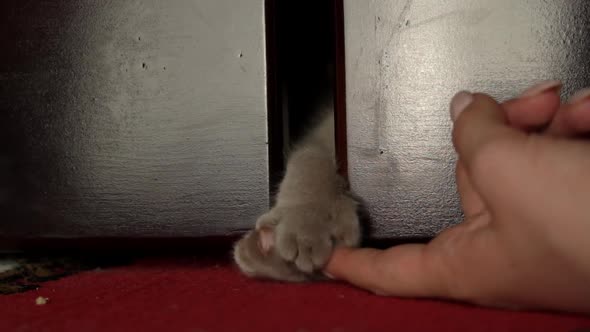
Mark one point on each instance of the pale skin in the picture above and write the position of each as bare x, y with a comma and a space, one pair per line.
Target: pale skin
523, 177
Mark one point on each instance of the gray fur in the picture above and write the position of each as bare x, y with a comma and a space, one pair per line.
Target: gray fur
313, 213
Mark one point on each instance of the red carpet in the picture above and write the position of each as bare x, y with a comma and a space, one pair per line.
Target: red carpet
195, 295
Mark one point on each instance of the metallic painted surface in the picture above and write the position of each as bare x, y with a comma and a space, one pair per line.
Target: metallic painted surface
404, 62
132, 118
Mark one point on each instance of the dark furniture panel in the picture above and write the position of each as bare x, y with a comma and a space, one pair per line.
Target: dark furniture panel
404, 62
132, 118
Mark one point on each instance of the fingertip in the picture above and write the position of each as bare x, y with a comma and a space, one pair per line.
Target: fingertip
355, 266
484, 99
578, 118
459, 103
336, 262
352, 264
573, 118
580, 96
482, 122
541, 88
464, 100
532, 113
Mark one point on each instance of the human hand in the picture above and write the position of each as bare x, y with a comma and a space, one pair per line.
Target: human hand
539, 109
523, 243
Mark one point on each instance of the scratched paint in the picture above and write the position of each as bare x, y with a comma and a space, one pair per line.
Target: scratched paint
406, 59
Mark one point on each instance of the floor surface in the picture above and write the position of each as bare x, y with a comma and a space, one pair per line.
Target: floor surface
192, 294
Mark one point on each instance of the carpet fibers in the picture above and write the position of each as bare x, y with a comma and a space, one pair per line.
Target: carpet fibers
192, 294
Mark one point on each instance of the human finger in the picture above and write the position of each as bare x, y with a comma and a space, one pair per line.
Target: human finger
479, 121
573, 118
401, 270
534, 108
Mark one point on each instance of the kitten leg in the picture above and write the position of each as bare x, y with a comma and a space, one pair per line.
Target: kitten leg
313, 213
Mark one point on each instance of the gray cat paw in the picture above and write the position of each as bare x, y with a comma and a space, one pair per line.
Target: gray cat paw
298, 240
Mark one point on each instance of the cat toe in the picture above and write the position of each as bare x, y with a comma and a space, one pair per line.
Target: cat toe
303, 260
287, 246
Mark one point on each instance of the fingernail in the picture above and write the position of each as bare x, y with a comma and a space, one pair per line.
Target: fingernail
329, 276
580, 96
541, 88
459, 103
